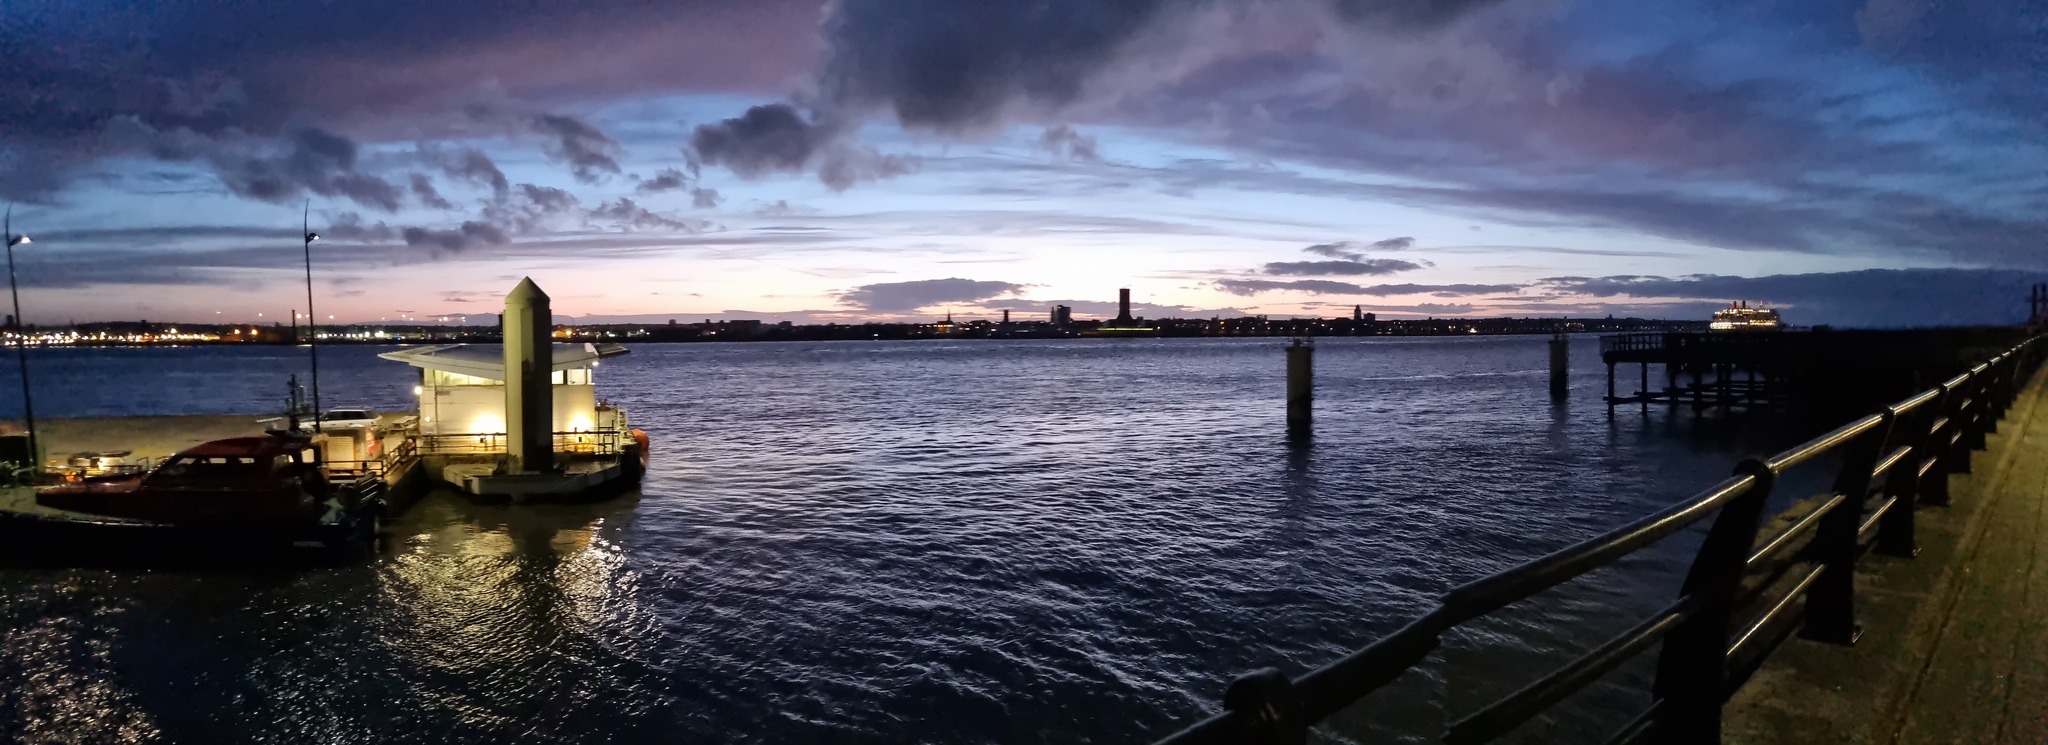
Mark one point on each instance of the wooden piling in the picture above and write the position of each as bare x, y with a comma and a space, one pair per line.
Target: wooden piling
1560, 366
1300, 387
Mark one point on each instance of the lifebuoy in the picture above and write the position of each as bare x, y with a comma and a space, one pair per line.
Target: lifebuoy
640, 438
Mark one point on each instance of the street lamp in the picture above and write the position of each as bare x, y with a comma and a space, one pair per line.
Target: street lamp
312, 327
28, 408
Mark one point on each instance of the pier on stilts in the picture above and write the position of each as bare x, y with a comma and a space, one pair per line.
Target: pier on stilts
1829, 374
1701, 371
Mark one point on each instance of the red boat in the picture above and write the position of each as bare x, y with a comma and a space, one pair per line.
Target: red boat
271, 481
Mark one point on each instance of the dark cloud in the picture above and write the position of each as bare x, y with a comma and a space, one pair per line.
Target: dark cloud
423, 188
1328, 287
529, 208
1355, 251
772, 138
704, 199
667, 179
470, 234
1249, 287
907, 296
782, 208
624, 214
1409, 14
1872, 297
306, 160
1066, 144
1453, 290
473, 166
1345, 250
776, 138
1340, 268
349, 226
589, 152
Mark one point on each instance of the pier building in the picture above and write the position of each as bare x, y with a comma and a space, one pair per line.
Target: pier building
461, 391
522, 420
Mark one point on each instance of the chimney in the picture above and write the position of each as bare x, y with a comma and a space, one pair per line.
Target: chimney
1123, 304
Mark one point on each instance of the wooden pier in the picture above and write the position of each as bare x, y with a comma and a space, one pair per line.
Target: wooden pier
1828, 374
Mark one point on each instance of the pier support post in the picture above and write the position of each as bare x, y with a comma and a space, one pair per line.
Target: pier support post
1643, 388
1300, 388
1560, 366
1610, 390
529, 380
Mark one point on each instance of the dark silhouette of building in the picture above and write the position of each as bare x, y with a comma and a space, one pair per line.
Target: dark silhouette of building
1123, 307
1062, 316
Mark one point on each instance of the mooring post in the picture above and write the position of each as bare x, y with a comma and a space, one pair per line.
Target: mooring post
1560, 366
1300, 387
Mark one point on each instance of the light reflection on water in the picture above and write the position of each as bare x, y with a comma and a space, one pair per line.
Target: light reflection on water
891, 542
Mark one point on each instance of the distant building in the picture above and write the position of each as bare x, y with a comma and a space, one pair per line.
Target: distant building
1123, 307
1062, 316
1357, 312
1371, 318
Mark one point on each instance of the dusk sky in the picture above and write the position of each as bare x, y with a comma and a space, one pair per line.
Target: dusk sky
1853, 162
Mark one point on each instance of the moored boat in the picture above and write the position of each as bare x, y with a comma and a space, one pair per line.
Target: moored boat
263, 494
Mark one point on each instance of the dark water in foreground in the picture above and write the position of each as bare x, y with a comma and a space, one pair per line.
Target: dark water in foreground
1045, 541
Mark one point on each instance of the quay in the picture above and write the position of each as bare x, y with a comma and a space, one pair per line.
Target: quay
1905, 603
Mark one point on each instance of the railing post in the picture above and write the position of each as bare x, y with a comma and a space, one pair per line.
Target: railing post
1955, 443
1895, 531
1831, 603
1692, 669
1979, 418
1267, 696
1933, 486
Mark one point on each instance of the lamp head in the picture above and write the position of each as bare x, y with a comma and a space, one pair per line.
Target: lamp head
310, 237
18, 240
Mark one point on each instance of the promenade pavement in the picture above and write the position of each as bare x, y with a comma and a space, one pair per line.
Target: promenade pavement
1955, 641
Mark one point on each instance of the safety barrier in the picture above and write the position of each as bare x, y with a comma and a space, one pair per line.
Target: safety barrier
1739, 600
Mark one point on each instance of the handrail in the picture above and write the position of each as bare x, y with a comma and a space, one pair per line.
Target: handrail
1903, 454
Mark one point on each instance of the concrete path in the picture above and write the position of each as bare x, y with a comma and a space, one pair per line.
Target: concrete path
1955, 641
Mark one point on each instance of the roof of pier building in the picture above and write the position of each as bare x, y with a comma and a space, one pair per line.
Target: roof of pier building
488, 360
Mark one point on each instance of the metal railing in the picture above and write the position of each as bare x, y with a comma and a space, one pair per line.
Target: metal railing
1632, 342
606, 441
1739, 600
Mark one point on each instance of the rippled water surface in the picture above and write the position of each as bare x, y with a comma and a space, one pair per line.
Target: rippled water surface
958, 542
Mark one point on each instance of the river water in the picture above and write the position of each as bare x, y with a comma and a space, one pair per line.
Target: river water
891, 542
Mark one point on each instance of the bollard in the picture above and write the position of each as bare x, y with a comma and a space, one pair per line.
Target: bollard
1560, 366
1300, 387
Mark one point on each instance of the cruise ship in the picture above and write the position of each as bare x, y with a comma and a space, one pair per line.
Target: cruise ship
1738, 316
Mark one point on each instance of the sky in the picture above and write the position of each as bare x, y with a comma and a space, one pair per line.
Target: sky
1852, 162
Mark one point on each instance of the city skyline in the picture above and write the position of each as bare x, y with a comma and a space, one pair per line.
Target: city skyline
1858, 163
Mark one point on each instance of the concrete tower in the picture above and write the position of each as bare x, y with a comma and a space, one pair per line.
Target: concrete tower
529, 380
1123, 306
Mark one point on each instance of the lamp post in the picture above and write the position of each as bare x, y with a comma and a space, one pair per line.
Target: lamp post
28, 407
312, 326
